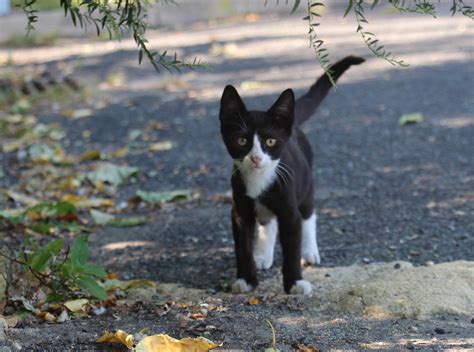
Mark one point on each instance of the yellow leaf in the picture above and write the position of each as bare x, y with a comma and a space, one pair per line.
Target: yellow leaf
254, 301
76, 305
160, 146
46, 316
84, 202
89, 155
125, 285
20, 198
165, 343
69, 183
119, 153
119, 336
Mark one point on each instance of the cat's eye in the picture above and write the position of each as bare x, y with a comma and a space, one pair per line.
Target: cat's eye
242, 141
270, 142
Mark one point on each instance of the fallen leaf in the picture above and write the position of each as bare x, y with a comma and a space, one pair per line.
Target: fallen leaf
83, 202
160, 146
46, 316
101, 218
70, 183
90, 154
163, 197
119, 336
20, 198
410, 119
20, 106
119, 153
112, 276
76, 305
254, 301
165, 343
110, 285
77, 114
112, 174
304, 348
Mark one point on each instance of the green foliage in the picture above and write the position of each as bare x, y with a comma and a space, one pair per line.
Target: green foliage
116, 18
357, 7
64, 272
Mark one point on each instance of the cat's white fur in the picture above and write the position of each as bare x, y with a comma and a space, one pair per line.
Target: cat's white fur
259, 179
241, 286
264, 245
309, 245
301, 287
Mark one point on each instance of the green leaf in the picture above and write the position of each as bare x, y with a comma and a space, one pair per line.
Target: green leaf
129, 222
101, 218
39, 260
163, 197
90, 286
349, 7
79, 251
92, 269
295, 6
410, 119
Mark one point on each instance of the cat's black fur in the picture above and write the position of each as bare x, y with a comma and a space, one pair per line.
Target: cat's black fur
289, 198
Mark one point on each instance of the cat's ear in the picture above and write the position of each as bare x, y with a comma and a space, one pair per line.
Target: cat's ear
232, 105
284, 109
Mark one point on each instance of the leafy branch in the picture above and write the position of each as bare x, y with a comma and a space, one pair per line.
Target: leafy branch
117, 18
321, 53
70, 276
369, 38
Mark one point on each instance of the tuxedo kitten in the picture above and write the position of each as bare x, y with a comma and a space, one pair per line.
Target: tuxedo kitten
272, 184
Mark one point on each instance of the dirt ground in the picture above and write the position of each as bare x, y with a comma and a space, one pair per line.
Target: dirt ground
385, 193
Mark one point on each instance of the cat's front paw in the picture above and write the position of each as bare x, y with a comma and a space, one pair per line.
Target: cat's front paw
263, 261
241, 286
311, 256
301, 287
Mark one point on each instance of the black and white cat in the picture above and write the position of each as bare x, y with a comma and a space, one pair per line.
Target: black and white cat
272, 182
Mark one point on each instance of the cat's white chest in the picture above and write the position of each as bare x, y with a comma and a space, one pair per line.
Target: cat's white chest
256, 182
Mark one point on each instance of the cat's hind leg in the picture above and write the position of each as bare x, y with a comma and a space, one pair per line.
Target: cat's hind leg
264, 244
309, 245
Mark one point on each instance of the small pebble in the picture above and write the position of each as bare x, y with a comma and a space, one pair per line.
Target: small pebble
472, 321
397, 266
366, 260
413, 329
440, 331
429, 263
410, 345
329, 275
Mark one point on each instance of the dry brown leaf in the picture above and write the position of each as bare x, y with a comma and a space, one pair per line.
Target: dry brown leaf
254, 301
165, 343
304, 348
119, 336
46, 316
83, 202
198, 316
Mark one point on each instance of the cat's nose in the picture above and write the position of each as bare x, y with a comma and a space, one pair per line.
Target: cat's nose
256, 160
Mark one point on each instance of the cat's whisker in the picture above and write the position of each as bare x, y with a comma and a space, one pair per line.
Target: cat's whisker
286, 168
285, 171
282, 176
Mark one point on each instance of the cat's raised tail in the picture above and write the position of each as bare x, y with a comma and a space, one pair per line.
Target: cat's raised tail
307, 104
